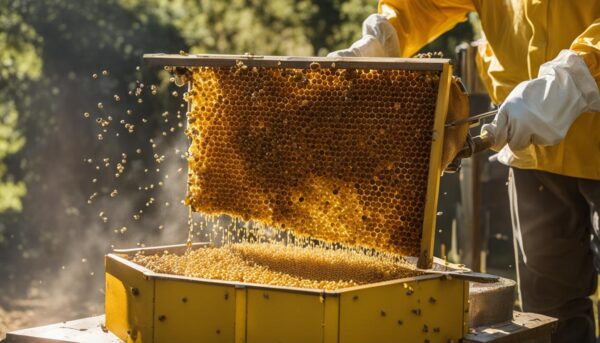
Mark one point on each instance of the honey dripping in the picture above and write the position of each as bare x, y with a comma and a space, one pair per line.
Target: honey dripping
190, 222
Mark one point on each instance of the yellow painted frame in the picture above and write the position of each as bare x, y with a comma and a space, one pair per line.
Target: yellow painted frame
435, 170
240, 312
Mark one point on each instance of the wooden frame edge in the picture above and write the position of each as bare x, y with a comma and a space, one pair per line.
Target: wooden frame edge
301, 62
435, 169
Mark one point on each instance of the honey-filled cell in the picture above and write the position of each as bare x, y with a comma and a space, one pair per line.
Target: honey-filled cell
340, 155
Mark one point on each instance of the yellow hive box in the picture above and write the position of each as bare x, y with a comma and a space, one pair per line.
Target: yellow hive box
143, 306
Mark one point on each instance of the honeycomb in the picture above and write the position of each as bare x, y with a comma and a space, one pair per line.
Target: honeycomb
280, 265
340, 155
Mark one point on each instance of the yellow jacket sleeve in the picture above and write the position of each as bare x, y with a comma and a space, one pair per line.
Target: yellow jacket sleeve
587, 45
419, 22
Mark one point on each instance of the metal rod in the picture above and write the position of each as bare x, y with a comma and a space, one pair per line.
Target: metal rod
472, 119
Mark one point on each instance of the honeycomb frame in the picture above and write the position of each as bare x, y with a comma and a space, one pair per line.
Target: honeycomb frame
421, 246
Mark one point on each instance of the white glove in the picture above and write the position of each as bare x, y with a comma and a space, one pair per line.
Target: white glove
379, 40
541, 111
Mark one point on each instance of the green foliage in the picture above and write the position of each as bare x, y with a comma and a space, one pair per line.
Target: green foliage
11, 141
20, 64
235, 26
19, 56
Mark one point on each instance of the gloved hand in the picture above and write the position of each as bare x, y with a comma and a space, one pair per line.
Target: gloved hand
379, 40
541, 111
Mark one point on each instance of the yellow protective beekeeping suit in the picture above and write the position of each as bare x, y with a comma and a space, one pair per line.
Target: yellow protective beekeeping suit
521, 35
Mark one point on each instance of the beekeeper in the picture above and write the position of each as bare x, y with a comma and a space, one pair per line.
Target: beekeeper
541, 62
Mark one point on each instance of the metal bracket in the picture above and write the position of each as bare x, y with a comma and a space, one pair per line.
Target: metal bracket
473, 145
476, 119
